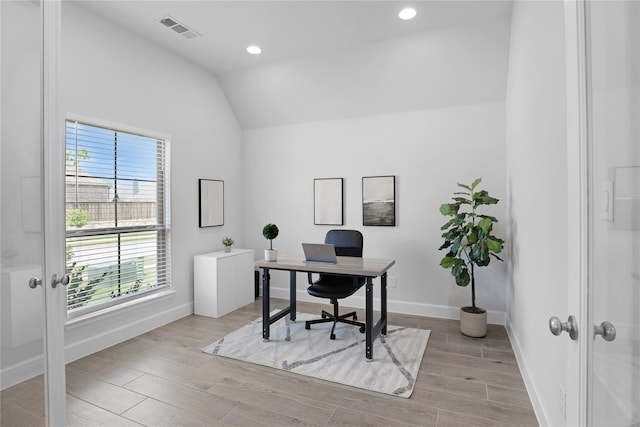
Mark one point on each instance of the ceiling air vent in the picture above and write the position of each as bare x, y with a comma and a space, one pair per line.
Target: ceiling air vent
178, 27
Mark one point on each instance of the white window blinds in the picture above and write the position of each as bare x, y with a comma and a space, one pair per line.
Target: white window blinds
117, 216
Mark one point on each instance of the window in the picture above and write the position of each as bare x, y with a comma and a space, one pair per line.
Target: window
117, 216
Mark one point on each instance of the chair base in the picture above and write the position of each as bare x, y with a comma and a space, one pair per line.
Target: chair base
335, 318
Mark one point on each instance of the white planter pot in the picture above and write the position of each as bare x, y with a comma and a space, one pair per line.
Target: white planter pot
227, 248
473, 324
270, 254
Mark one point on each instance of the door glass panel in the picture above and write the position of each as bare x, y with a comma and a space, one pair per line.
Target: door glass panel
614, 386
22, 248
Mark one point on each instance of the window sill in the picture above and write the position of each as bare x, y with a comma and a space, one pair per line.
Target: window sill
75, 321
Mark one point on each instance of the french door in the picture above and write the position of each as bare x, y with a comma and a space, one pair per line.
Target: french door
32, 221
612, 332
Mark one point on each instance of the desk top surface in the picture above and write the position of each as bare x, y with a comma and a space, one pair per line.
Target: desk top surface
351, 266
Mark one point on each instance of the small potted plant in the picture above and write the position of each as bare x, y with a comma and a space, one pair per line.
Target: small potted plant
270, 232
470, 243
227, 242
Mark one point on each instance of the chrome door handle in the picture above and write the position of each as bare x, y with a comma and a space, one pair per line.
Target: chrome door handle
606, 329
35, 282
571, 325
62, 280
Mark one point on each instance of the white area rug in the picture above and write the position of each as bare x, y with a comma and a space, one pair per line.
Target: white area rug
396, 356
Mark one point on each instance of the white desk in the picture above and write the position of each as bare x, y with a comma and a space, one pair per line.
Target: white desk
347, 266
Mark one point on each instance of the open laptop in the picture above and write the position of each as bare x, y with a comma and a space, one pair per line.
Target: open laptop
319, 252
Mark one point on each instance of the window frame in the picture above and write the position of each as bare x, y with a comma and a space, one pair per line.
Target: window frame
162, 226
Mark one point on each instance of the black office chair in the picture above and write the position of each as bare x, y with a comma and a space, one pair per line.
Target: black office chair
335, 287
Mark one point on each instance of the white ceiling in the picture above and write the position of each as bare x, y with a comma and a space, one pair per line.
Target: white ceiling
285, 29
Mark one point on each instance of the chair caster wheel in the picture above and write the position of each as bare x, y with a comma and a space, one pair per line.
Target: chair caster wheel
362, 329
355, 317
323, 316
333, 336
307, 326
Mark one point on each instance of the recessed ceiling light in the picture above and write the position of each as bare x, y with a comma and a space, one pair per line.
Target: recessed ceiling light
254, 50
407, 13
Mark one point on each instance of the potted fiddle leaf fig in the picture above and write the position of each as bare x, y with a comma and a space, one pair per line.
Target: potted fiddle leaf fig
270, 232
470, 243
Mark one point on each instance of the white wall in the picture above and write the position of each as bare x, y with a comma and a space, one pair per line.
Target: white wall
537, 200
428, 150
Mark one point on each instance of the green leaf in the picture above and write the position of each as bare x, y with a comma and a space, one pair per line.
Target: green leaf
455, 247
472, 238
463, 200
445, 245
483, 198
453, 221
452, 234
449, 209
447, 261
460, 272
475, 183
463, 278
494, 245
463, 193
485, 225
465, 186
480, 254
492, 218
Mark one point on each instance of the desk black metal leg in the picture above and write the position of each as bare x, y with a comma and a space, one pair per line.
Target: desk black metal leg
292, 295
383, 303
369, 319
265, 305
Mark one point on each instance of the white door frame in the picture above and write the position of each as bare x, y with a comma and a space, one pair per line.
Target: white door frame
53, 217
577, 202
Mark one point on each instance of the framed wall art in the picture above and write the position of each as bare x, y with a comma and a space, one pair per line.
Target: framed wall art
211, 193
379, 200
328, 201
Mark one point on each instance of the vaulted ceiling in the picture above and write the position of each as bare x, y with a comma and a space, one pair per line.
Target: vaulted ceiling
324, 60
285, 29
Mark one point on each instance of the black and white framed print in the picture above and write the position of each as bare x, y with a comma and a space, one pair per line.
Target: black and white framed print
211, 202
379, 200
327, 201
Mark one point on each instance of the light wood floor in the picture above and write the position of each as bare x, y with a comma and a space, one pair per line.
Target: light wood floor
162, 378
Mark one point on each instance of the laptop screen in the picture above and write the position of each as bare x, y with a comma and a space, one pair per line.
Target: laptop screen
319, 252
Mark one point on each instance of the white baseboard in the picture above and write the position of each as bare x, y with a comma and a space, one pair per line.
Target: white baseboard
534, 396
30, 368
21, 371
394, 306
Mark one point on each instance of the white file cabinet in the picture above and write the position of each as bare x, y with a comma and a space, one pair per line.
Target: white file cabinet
223, 281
